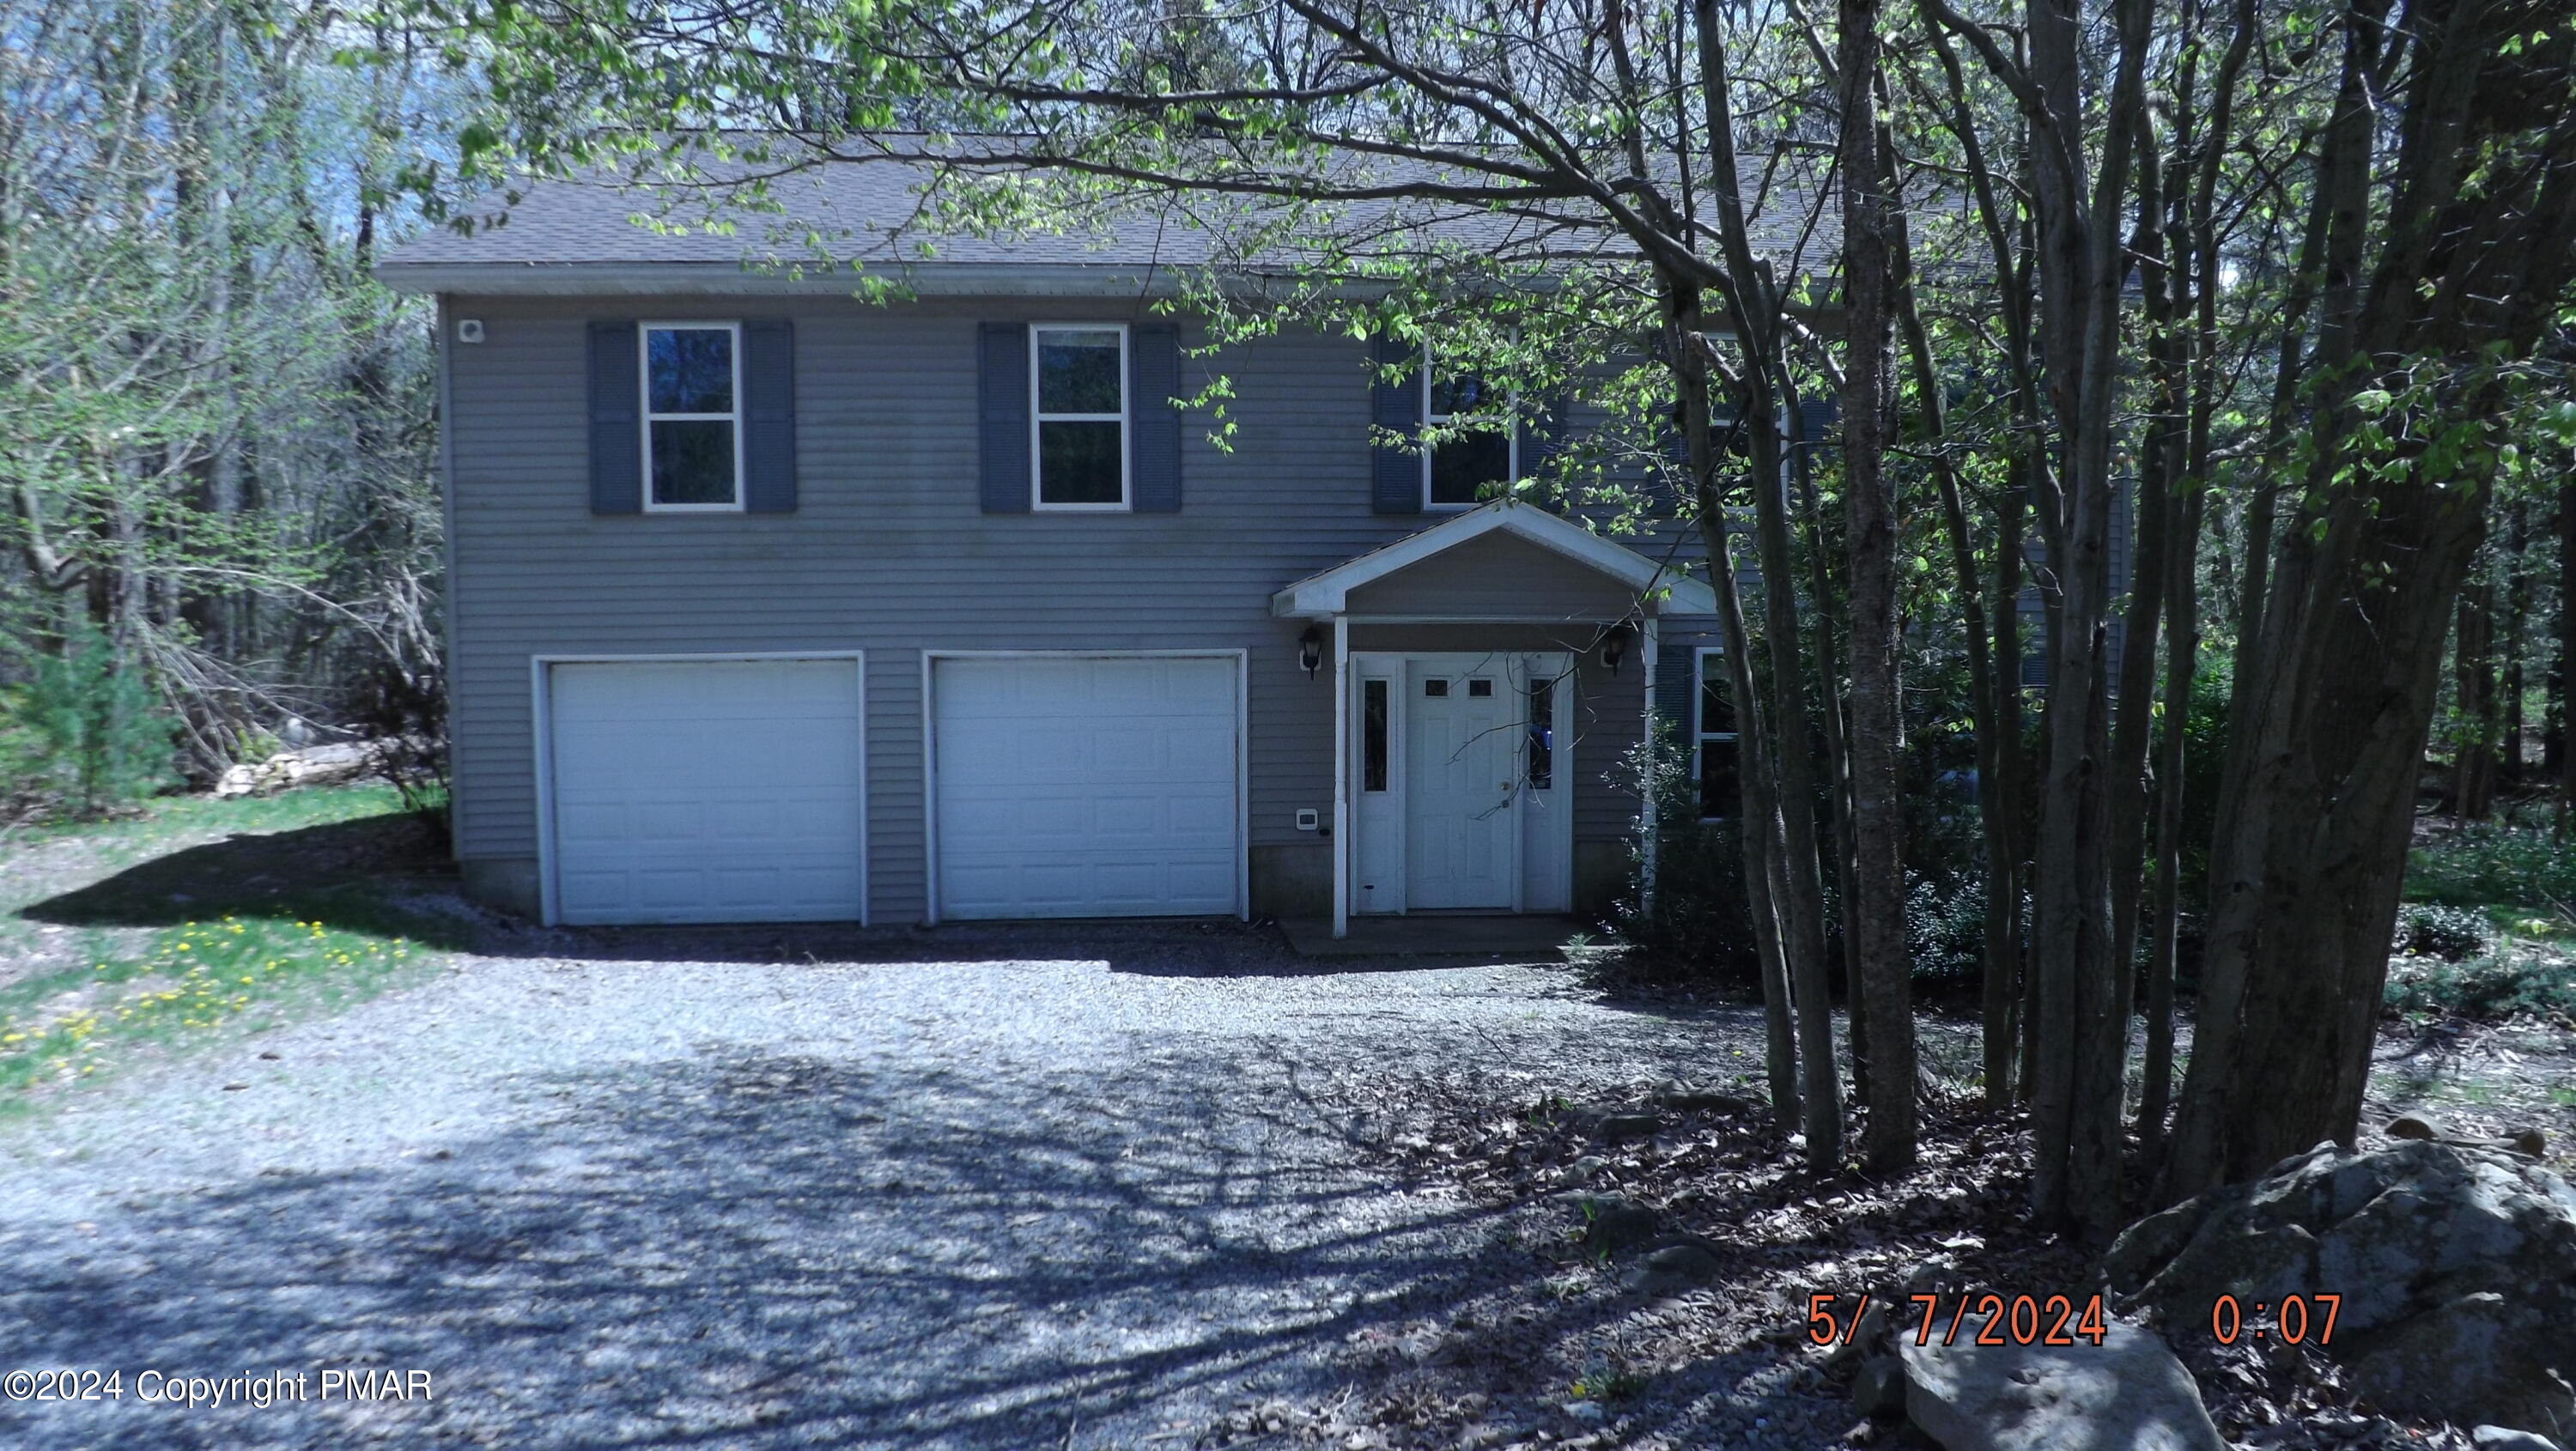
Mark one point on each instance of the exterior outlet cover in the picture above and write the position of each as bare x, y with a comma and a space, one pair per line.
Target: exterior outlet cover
469, 329
1307, 820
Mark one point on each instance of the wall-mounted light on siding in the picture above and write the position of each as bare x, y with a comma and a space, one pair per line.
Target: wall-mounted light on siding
469, 329
1614, 645
1310, 650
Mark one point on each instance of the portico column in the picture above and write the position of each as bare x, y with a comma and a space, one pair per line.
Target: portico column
1647, 666
1341, 775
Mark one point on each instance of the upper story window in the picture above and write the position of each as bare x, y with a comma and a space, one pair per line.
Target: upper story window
1468, 467
692, 416
1079, 374
1713, 740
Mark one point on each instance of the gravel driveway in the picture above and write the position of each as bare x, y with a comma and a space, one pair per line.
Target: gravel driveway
1012, 1192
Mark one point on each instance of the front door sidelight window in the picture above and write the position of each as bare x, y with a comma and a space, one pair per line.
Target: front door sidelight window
1542, 733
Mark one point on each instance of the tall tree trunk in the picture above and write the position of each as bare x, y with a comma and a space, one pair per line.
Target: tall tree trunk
2473, 676
2164, 919
1875, 919
2562, 675
2464, 277
2195, 278
2517, 616
1759, 820
1753, 313
2083, 1038
2160, 459
2006, 995
1829, 688
1793, 756
2010, 1027
1988, 689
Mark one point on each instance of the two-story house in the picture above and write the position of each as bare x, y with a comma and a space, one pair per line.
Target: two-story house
766, 603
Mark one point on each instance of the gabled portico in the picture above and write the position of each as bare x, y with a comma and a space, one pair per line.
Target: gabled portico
1468, 659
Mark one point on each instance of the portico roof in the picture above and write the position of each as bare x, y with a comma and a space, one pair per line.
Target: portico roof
1657, 587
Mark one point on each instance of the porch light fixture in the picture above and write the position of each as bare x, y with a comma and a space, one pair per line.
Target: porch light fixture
1310, 650
1614, 645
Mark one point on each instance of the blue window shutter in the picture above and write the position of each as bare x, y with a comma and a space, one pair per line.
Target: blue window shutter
1677, 684
1153, 379
616, 429
1819, 416
1395, 474
769, 416
1002, 414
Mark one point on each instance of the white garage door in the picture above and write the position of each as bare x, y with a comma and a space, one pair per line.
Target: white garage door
1071, 787
706, 791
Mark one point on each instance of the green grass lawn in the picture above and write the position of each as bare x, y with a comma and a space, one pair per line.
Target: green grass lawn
199, 921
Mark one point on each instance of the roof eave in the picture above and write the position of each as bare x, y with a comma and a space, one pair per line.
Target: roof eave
1324, 595
662, 279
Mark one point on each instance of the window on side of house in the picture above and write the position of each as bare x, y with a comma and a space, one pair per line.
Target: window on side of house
1078, 372
1470, 467
692, 417
1713, 744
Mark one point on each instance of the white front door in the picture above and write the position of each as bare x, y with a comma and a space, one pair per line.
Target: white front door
1462, 738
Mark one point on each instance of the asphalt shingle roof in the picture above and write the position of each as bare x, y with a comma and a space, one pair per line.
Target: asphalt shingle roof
871, 211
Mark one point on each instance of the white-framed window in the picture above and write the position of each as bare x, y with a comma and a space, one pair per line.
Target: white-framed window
1078, 415
1467, 468
692, 382
1713, 738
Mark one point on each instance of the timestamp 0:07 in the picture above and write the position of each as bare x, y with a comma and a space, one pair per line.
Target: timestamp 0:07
2290, 1321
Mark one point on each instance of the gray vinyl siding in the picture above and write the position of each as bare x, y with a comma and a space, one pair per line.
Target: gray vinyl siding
1497, 575
889, 551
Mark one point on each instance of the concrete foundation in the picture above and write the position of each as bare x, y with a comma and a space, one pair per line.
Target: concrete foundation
508, 883
1293, 881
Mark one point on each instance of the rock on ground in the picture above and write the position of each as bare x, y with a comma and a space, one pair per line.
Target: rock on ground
2127, 1394
2456, 1270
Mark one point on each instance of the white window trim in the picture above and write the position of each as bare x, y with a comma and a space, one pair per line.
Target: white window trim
1700, 735
1123, 418
644, 407
1511, 442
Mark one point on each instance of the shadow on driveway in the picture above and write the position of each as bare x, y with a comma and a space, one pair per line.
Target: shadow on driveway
765, 1251
382, 875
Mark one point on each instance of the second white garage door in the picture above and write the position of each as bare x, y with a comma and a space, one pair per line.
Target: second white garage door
1072, 786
